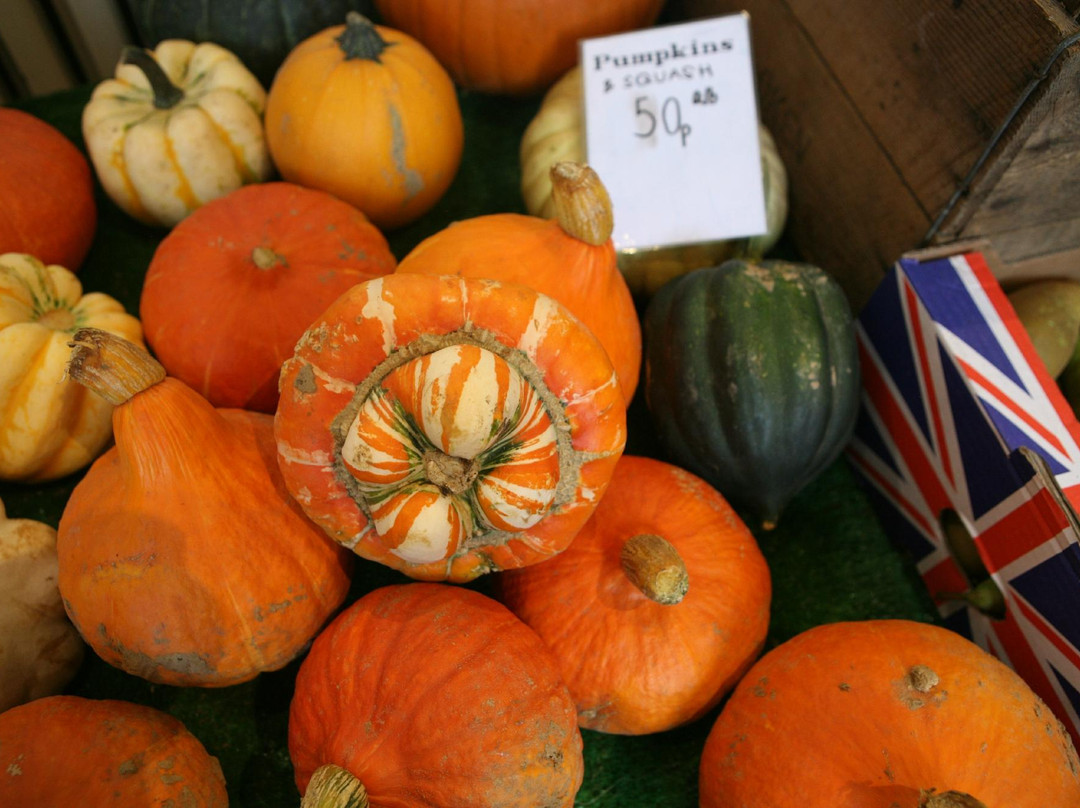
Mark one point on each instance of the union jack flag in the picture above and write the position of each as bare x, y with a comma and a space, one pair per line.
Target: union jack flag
952, 391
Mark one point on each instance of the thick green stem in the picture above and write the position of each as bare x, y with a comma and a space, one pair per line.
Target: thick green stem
166, 94
360, 40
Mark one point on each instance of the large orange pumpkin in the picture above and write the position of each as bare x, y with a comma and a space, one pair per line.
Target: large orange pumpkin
515, 47
571, 258
47, 206
658, 606
436, 696
234, 285
366, 113
886, 714
183, 560
69, 750
448, 426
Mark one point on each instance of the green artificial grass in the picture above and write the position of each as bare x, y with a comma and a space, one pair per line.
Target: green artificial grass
830, 559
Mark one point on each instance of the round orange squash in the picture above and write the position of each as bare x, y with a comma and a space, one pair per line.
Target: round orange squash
233, 286
513, 47
571, 258
366, 113
656, 609
884, 713
47, 206
183, 559
448, 426
436, 696
69, 750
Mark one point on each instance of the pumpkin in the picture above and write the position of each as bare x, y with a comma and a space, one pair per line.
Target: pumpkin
882, 713
448, 427
752, 378
232, 287
656, 609
557, 133
261, 35
176, 127
367, 114
570, 258
46, 192
69, 750
183, 560
50, 426
40, 651
409, 668
515, 48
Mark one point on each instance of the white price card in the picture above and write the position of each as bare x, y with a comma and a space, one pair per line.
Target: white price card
671, 128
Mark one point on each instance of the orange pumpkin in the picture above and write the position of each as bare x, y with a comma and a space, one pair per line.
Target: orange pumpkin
47, 206
447, 426
407, 669
518, 47
883, 713
571, 258
233, 286
69, 750
183, 560
658, 606
366, 113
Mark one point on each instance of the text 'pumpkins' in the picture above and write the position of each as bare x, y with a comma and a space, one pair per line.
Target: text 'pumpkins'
752, 377
448, 426
367, 114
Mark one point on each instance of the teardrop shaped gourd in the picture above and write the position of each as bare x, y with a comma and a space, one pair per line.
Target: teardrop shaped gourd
752, 378
657, 607
570, 258
449, 426
432, 695
881, 713
183, 559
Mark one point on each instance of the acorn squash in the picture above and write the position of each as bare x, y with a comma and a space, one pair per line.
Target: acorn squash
752, 377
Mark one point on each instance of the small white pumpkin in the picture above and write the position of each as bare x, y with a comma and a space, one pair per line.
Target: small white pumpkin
49, 425
40, 650
176, 128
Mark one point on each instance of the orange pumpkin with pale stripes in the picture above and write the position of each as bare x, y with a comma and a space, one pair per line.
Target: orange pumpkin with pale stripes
447, 426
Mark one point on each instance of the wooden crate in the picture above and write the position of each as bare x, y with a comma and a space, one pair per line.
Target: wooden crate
910, 123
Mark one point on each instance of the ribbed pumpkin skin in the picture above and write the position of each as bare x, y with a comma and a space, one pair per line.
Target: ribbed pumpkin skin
843, 715
68, 750
635, 666
512, 47
222, 322
539, 253
411, 366
260, 32
183, 559
752, 377
47, 206
435, 695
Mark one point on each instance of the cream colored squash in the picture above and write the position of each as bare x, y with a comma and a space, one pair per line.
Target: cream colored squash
557, 133
176, 128
40, 650
49, 425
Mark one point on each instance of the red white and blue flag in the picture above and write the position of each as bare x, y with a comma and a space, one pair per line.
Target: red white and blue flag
952, 389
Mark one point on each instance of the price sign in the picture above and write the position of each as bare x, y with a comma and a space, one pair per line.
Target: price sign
671, 127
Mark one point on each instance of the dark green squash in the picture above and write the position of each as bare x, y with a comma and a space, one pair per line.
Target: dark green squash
752, 377
260, 32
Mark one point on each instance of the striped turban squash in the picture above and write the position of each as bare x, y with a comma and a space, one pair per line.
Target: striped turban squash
448, 427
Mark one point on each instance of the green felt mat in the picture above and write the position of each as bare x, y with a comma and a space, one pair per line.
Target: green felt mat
829, 557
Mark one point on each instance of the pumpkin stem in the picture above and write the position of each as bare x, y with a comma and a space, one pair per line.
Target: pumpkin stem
582, 205
111, 366
452, 475
166, 94
266, 258
655, 567
948, 799
334, 787
360, 40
